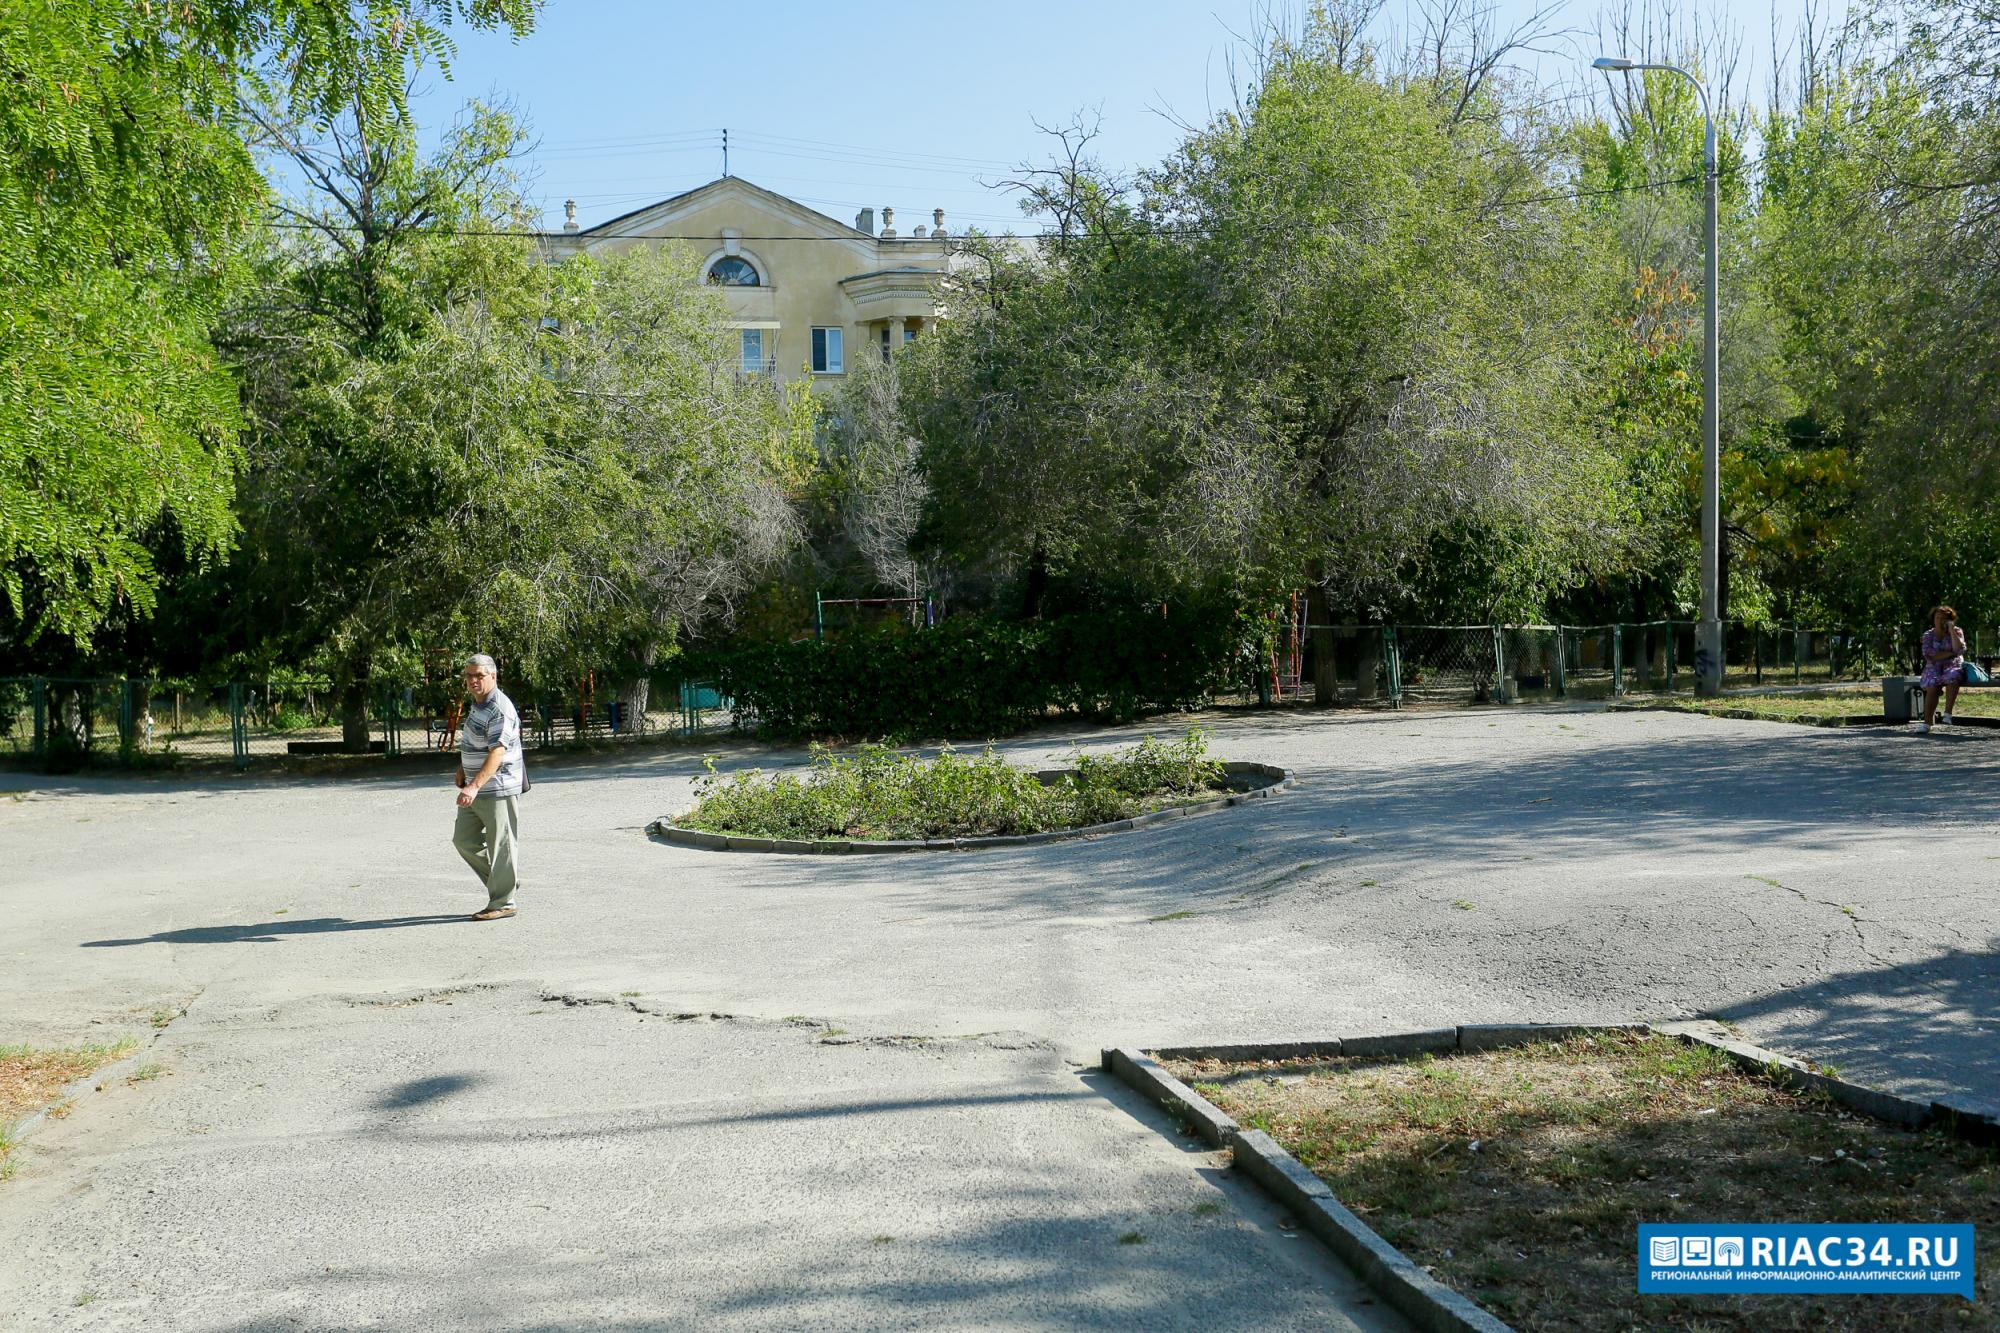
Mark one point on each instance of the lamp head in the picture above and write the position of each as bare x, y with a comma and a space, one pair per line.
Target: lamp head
1611, 62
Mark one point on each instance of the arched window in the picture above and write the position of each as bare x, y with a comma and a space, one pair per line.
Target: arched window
733, 271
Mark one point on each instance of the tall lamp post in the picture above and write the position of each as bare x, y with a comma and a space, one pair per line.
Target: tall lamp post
1708, 634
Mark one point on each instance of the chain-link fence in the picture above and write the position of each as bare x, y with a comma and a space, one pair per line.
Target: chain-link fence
1442, 664
63, 722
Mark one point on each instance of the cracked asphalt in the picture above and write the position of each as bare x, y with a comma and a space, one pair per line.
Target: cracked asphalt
696, 1089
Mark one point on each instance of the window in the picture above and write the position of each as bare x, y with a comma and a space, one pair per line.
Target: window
828, 355
909, 336
885, 344
732, 271
753, 350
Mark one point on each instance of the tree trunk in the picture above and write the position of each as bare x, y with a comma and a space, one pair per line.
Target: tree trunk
354, 717
1038, 584
1319, 649
1367, 666
639, 692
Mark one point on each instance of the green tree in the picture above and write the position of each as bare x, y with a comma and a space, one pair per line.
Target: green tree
1335, 333
126, 184
455, 442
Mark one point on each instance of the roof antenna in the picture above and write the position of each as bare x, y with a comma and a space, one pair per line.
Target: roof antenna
725, 154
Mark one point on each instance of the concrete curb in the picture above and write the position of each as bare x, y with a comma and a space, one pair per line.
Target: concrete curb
1747, 715
1961, 1122
1273, 780
1803, 719
1420, 1298
123, 1067
1413, 1293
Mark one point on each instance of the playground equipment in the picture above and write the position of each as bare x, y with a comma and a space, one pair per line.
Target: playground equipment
915, 606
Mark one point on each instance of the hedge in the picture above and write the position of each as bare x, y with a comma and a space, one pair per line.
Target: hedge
972, 677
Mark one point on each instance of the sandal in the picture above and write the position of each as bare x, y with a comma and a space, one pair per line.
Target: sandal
492, 914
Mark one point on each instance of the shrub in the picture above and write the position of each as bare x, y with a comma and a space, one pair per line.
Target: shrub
981, 678
877, 793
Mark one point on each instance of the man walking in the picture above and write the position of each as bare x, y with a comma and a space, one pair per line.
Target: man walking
489, 788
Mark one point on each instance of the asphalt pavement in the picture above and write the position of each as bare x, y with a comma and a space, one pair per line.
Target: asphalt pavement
698, 1089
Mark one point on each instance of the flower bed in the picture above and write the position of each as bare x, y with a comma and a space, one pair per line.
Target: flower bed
877, 794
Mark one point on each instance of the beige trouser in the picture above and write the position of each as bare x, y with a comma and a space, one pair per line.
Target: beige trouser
485, 836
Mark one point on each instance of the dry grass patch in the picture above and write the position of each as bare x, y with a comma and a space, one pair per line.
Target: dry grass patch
1520, 1176
31, 1076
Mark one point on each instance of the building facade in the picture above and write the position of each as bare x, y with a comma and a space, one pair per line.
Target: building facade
808, 294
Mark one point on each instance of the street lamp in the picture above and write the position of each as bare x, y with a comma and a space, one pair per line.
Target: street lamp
1708, 634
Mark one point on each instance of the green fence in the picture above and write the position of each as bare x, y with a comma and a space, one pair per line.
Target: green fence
1391, 664
61, 721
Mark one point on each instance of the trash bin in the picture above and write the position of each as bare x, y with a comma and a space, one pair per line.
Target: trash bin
1901, 698
617, 710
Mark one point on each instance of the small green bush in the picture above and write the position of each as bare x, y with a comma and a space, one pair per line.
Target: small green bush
980, 678
876, 793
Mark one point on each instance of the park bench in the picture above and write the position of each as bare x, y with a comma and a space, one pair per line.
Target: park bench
1903, 697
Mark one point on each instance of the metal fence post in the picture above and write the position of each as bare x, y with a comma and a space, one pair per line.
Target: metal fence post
1392, 657
127, 742
1617, 661
239, 743
1670, 656
1500, 692
41, 696
1562, 662
1798, 653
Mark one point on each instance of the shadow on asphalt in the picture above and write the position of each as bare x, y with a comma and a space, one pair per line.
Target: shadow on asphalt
270, 932
1727, 790
1937, 1023
418, 1091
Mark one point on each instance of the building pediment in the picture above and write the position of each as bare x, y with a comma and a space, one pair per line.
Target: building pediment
741, 199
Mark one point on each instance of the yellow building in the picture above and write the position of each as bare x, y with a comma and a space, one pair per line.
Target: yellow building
808, 294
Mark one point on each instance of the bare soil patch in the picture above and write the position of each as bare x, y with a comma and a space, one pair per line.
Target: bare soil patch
1520, 1176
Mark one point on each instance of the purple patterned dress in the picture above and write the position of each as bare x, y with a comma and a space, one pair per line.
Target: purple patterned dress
1951, 671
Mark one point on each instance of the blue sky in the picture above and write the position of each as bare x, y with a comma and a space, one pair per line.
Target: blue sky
912, 105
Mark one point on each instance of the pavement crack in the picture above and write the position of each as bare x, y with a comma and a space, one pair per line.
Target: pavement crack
1854, 920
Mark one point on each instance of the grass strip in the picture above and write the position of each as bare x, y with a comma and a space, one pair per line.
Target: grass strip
1821, 703
31, 1076
1519, 1176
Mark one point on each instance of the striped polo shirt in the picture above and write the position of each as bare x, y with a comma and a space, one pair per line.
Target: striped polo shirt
488, 724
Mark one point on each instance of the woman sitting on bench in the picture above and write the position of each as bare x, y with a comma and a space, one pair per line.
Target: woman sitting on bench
1944, 665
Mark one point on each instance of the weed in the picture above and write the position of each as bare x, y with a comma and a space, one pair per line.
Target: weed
1208, 1208
629, 994
146, 1073
877, 793
282, 911
1370, 883
84, 1298
880, 1240
162, 1017
1133, 1238
1172, 916
1464, 904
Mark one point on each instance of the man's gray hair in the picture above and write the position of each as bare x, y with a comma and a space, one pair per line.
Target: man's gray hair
482, 661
